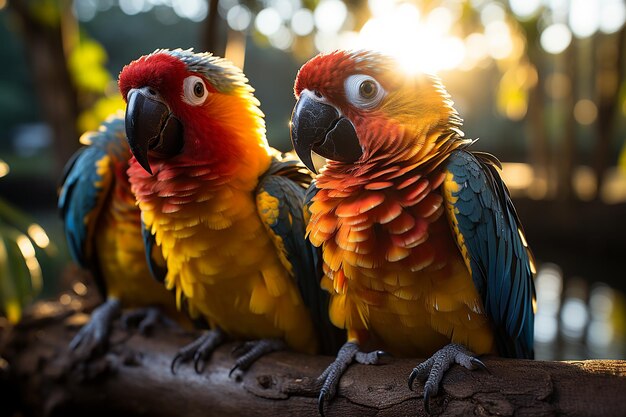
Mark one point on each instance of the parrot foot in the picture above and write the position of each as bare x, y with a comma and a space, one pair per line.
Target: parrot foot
93, 338
199, 350
433, 369
329, 379
248, 352
147, 319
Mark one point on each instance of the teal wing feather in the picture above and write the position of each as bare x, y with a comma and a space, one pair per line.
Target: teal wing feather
86, 182
157, 269
285, 181
501, 263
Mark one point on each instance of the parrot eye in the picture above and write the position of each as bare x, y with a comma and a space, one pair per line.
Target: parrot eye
194, 90
198, 89
368, 89
363, 91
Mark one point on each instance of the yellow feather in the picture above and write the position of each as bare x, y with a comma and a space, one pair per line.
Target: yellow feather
275, 280
261, 301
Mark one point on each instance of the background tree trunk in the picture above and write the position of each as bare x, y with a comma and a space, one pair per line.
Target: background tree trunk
45, 47
212, 31
135, 379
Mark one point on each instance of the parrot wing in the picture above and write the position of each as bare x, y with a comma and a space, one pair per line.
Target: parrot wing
86, 182
491, 239
154, 256
280, 205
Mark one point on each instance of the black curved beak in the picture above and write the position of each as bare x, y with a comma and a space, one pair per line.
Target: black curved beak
318, 127
150, 126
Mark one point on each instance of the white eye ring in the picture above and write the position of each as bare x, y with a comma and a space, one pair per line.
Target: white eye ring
194, 90
363, 91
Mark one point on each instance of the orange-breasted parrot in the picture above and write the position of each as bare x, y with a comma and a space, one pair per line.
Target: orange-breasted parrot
103, 231
225, 208
423, 251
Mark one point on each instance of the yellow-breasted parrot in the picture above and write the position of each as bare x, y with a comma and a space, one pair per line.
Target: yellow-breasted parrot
224, 207
103, 231
423, 251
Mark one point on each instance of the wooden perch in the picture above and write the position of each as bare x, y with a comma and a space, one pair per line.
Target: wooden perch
135, 379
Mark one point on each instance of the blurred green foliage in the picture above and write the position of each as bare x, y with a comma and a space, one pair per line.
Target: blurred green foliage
22, 242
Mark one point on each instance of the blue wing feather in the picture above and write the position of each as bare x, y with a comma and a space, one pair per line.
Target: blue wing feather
500, 263
284, 181
158, 270
85, 185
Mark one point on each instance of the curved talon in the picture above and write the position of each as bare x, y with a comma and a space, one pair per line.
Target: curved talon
479, 364
177, 358
427, 400
232, 370
412, 378
320, 401
199, 364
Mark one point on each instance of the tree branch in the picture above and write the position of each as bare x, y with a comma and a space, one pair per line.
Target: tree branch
135, 378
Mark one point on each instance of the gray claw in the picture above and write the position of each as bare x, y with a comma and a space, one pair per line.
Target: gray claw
177, 358
434, 368
479, 364
427, 400
93, 338
251, 351
199, 350
348, 353
320, 401
412, 377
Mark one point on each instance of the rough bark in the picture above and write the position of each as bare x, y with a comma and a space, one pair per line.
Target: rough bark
135, 379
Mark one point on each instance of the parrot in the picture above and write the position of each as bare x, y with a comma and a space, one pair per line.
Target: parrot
225, 208
102, 226
423, 252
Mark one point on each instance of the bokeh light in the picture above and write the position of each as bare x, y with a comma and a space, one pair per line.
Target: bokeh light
284, 8
380, 7
585, 111
525, 9
492, 12
402, 32
194, 10
549, 285
38, 235
498, 39
574, 313
601, 332
239, 17
330, 15
85, 10
4, 168
584, 17
282, 38
268, 21
302, 22
612, 15
556, 38
574, 317
133, 7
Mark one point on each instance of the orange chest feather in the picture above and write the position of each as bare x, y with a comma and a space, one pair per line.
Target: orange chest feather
393, 267
388, 225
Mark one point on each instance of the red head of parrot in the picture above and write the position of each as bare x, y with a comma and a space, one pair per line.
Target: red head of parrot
356, 106
180, 104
